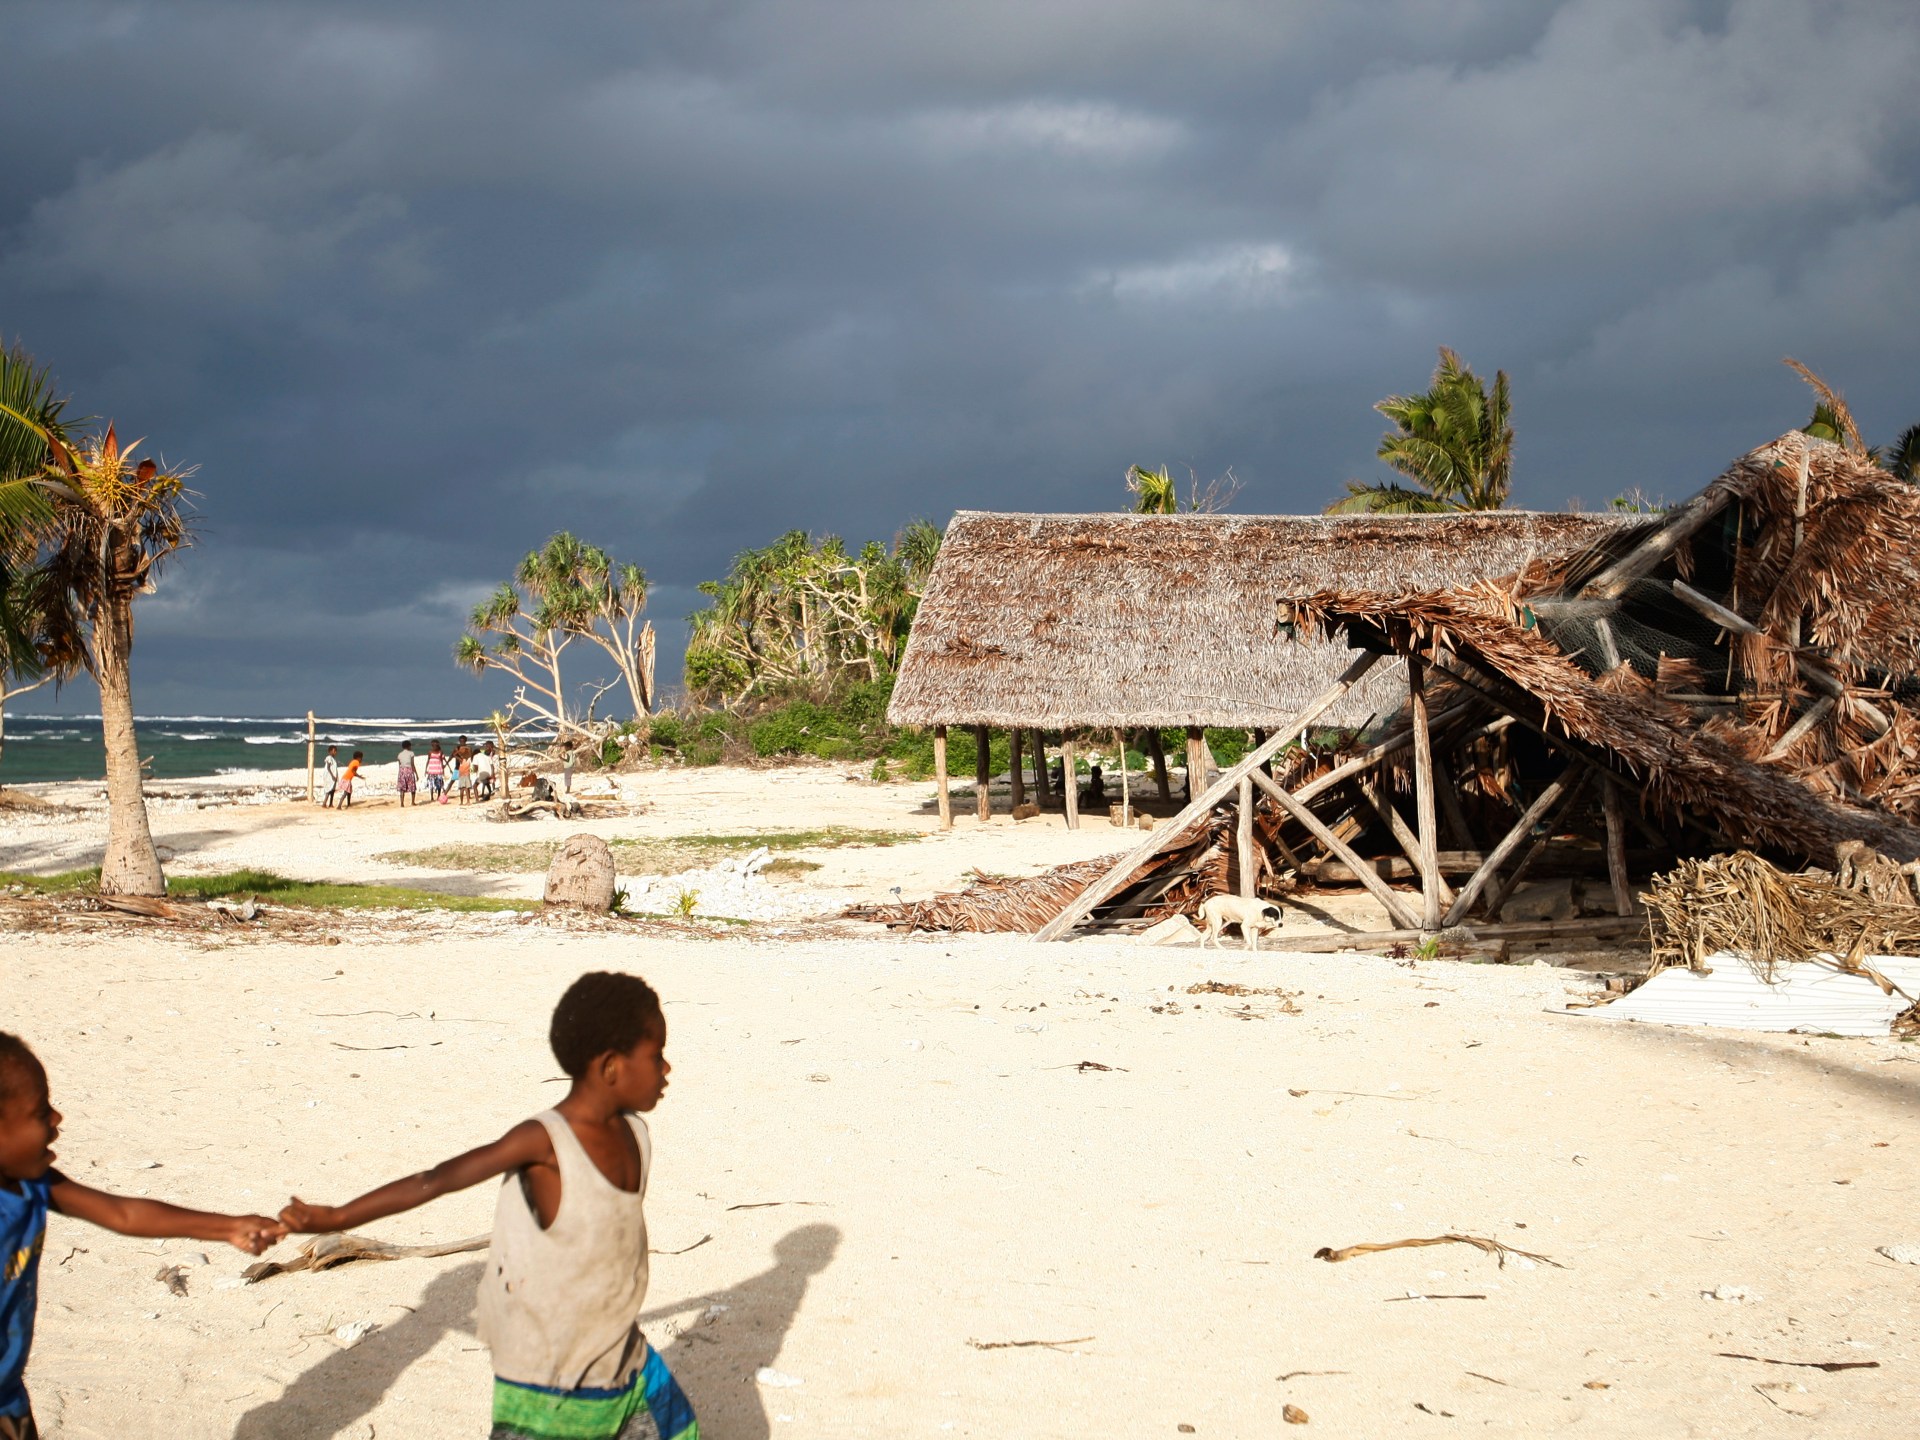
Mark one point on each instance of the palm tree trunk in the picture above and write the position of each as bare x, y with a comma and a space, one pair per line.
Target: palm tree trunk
130, 866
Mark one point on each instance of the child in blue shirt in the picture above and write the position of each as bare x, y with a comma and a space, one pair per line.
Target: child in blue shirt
30, 1186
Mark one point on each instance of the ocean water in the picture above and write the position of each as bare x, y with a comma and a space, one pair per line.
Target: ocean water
67, 747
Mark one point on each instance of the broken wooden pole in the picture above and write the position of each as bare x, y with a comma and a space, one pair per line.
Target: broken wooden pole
983, 772
1510, 842
1165, 836
1017, 786
1069, 781
1243, 839
1396, 908
940, 776
1423, 793
1610, 806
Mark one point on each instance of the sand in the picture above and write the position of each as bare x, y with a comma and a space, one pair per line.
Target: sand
900, 1155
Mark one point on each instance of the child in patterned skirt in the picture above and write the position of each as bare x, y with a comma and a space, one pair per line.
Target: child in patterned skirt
566, 1272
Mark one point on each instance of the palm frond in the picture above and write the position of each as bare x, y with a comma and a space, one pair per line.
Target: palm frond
1838, 416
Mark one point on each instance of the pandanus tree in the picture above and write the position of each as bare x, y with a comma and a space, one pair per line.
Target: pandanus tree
1454, 440
102, 525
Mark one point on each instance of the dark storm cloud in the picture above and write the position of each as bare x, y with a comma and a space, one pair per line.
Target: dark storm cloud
417, 286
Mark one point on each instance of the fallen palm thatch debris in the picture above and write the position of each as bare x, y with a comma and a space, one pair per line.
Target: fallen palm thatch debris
1742, 903
1491, 1247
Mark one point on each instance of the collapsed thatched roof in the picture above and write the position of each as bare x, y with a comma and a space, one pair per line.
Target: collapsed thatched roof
1105, 620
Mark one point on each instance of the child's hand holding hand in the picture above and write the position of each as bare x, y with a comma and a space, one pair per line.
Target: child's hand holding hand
297, 1215
253, 1233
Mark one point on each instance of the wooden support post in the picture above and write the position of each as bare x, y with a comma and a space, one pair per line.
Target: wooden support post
1616, 848
1196, 761
1164, 837
1243, 840
1259, 739
1157, 749
1569, 780
1423, 793
983, 772
940, 776
1396, 908
1017, 793
1042, 786
1069, 781
1126, 793
309, 757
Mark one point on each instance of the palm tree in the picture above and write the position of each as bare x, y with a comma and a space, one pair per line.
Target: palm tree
1454, 440
24, 509
1832, 420
109, 524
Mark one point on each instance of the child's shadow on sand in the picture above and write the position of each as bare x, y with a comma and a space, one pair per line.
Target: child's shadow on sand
714, 1363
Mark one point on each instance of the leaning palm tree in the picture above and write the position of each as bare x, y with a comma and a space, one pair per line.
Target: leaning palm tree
110, 523
1454, 440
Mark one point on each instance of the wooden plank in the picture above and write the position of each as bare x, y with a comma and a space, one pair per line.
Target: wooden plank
1498, 897
983, 772
1243, 840
1164, 837
940, 776
1017, 793
1070, 782
1423, 810
1616, 848
1597, 927
1680, 526
1396, 908
1522, 828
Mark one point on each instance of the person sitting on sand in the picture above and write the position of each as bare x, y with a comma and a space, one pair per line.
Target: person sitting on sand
348, 776
436, 772
332, 767
566, 1271
407, 777
30, 1187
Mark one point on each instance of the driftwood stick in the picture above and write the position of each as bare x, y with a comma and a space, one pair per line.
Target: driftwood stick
1509, 842
1164, 837
1492, 1247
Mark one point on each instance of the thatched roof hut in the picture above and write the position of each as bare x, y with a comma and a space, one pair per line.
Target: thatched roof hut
1057, 621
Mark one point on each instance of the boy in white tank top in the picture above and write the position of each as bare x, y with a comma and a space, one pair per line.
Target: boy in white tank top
566, 1273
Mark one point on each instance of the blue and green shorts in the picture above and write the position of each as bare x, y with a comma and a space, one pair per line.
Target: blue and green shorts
650, 1406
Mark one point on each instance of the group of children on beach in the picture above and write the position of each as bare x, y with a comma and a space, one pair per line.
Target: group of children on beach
566, 1270
464, 770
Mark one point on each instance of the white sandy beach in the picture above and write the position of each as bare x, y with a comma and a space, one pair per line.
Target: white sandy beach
896, 1152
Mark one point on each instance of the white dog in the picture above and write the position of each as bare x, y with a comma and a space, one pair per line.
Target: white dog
1254, 917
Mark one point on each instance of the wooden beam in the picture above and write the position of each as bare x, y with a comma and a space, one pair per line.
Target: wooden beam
1243, 840
1403, 835
1680, 526
983, 772
1509, 842
1042, 785
940, 776
1069, 781
1017, 791
1423, 793
1497, 899
1599, 927
1616, 847
1164, 837
1396, 908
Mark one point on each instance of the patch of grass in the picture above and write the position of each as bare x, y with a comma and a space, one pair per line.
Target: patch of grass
318, 896
667, 855
787, 865
52, 884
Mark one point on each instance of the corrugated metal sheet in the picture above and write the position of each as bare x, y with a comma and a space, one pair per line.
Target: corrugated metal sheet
1805, 995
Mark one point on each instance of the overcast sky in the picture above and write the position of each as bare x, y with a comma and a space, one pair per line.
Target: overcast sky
416, 285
